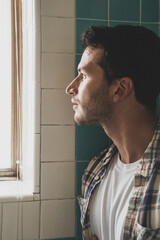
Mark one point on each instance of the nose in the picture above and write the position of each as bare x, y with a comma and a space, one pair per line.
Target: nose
72, 88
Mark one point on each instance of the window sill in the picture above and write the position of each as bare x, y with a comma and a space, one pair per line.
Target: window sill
11, 191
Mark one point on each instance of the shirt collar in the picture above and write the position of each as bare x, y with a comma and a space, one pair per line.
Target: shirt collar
149, 158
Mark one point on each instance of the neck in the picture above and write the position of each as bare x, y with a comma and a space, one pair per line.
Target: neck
132, 135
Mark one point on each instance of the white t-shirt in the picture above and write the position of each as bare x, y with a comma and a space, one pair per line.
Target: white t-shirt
109, 202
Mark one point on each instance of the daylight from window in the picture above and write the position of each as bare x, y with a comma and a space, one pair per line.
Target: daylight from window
5, 92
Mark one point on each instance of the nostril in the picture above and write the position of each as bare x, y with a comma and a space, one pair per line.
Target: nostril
68, 90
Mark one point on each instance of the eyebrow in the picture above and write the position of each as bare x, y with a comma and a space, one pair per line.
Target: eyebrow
79, 69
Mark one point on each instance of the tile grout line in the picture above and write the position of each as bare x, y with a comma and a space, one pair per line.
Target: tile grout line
1, 223
159, 27
108, 14
110, 20
40, 147
20, 220
140, 13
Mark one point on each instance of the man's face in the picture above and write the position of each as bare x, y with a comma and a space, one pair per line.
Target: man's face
90, 91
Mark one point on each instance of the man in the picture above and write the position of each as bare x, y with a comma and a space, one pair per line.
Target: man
117, 85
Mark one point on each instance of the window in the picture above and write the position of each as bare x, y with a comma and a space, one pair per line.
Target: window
5, 73
11, 88
19, 88
25, 175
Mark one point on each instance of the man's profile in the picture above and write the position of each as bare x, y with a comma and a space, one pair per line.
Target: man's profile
116, 87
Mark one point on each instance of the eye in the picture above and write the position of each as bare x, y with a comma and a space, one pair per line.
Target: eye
83, 76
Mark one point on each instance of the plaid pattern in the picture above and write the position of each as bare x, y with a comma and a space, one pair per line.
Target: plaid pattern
143, 216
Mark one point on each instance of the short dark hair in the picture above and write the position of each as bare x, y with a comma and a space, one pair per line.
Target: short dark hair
129, 51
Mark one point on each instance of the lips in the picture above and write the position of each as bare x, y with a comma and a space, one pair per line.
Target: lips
75, 107
75, 104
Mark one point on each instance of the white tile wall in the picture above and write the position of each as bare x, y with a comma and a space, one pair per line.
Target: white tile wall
58, 180
9, 221
57, 219
56, 107
20, 220
1, 206
58, 143
58, 35
60, 8
31, 219
58, 70
57, 130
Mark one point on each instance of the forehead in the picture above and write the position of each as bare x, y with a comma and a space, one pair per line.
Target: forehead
90, 56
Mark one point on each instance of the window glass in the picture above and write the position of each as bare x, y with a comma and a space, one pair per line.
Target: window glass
5, 79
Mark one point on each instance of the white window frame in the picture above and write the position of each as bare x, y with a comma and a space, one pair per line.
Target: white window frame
29, 185
10, 172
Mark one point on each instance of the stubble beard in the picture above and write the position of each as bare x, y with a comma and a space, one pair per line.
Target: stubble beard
96, 114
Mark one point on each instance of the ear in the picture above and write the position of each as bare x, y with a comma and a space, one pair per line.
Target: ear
124, 86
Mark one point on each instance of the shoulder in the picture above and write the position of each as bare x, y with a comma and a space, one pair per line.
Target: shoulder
92, 169
96, 161
149, 210
96, 168
101, 159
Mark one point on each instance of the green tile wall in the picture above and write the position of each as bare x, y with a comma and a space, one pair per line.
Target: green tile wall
150, 11
91, 140
81, 26
152, 26
124, 10
92, 9
78, 225
61, 239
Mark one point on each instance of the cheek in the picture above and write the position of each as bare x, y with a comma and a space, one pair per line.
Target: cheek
84, 92
88, 87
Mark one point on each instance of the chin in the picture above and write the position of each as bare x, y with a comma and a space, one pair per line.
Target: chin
79, 121
88, 122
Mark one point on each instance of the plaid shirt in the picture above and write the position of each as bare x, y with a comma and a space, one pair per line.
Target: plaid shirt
143, 216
